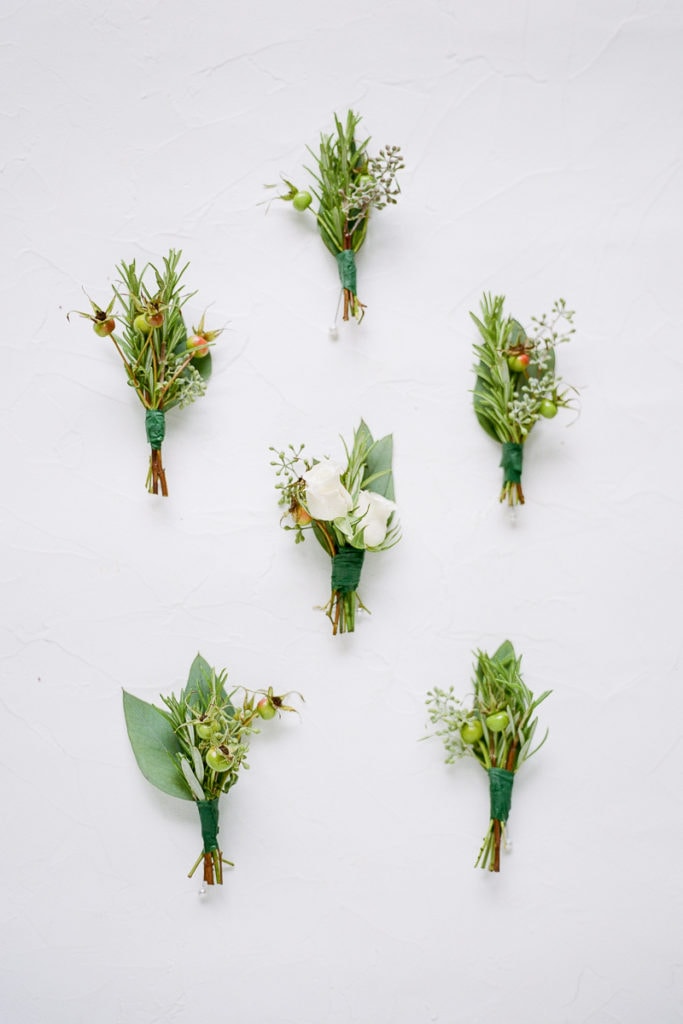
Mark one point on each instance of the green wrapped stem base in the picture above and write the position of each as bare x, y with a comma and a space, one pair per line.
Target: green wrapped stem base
208, 816
511, 463
346, 264
346, 569
211, 855
155, 425
500, 792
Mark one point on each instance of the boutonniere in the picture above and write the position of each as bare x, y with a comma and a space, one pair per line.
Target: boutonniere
350, 509
497, 730
347, 183
517, 383
167, 365
194, 747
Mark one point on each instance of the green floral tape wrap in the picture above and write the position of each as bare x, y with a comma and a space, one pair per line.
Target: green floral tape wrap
512, 462
155, 425
346, 262
346, 569
500, 791
208, 815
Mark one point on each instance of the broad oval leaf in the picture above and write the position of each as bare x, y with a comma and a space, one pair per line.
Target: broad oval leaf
155, 746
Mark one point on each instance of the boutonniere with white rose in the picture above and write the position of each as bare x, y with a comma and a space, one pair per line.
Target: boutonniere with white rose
517, 383
167, 365
347, 184
497, 730
350, 510
194, 747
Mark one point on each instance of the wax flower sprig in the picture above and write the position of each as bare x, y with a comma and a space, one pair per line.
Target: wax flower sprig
348, 183
194, 747
165, 364
497, 730
350, 510
516, 383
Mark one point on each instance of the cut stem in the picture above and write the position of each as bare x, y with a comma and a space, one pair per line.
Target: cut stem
156, 477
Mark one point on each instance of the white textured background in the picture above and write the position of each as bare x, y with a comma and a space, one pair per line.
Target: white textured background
543, 146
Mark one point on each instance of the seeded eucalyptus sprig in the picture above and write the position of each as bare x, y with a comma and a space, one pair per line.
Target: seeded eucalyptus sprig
517, 384
348, 183
497, 730
166, 365
194, 747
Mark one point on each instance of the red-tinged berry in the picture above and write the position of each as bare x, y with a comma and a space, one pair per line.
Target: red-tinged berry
518, 364
103, 328
266, 708
155, 318
198, 345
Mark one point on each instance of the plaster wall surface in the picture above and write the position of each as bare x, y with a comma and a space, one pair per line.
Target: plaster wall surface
543, 152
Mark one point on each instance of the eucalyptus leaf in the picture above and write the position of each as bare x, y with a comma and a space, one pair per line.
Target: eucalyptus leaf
379, 461
198, 682
505, 653
155, 746
203, 365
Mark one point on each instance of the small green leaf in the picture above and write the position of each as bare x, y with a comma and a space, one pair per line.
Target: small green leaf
505, 654
191, 779
198, 683
155, 746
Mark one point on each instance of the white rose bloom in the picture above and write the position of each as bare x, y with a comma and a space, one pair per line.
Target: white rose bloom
375, 511
326, 497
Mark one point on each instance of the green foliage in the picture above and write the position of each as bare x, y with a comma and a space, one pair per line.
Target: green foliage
350, 510
195, 746
341, 161
155, 745
368, 468
507, 401
159, 365
347, 184
498, 687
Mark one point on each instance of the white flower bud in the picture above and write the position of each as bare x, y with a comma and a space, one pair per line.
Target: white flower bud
326, 497
375, 510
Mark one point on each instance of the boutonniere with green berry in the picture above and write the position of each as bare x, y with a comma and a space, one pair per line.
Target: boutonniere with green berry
166, 364
347, 184
497, 729
517, 383
349, 509
194, 747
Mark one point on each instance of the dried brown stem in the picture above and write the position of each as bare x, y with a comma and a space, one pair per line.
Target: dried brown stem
496, 845
208, 869
157, 476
